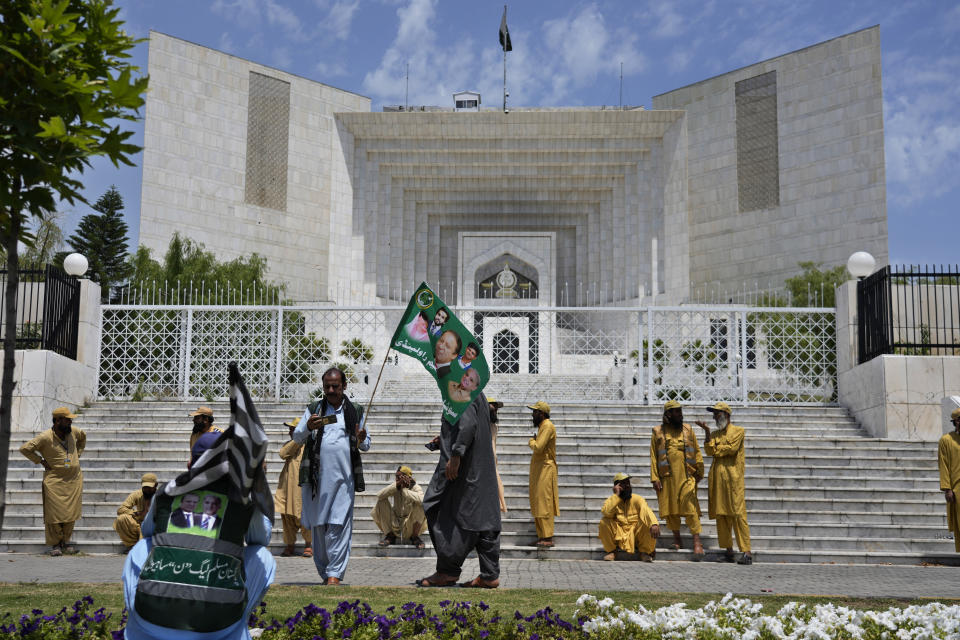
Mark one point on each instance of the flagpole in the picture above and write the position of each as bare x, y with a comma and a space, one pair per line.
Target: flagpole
386, 356
504, 65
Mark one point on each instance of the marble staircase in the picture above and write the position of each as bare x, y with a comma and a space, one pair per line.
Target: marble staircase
818, 488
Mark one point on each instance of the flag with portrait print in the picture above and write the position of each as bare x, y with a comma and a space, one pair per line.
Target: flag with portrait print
430, 332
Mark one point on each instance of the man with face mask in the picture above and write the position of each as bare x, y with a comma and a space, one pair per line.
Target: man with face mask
727, 503
543, 486
948, 461
628, 524
676, 466
202, 423
58, 450
134, 509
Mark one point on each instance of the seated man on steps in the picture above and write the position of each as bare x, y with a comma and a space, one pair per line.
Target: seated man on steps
628, 524
133, 510
404, 519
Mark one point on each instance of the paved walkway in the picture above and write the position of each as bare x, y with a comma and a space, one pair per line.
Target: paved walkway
574, 575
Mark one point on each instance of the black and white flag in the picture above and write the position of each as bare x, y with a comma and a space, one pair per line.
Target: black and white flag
504, 32
238, 454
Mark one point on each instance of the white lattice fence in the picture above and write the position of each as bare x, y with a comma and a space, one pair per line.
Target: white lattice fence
641, 355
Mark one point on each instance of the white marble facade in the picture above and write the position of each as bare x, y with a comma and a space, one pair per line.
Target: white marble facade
640, 201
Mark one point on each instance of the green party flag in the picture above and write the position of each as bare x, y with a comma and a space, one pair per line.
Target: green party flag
431, 333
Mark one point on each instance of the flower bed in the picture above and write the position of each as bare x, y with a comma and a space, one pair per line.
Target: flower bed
730, 618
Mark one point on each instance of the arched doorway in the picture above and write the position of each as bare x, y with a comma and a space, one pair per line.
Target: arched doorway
506, 352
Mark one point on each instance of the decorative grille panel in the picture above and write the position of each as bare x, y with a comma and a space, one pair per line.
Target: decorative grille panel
739, 354
268, 129
758, 161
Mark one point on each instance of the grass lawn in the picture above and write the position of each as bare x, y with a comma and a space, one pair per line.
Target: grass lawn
284, 601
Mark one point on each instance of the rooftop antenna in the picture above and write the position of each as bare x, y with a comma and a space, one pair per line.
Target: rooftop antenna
406, 98
621, 85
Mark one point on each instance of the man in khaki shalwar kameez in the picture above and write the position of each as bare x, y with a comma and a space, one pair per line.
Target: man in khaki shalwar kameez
676, 466
728, 504
58, 450
544, 492
288, 500
628, 524
134, 509
948, 458
404, 519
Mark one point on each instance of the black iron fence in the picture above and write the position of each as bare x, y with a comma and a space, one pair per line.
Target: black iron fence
909, 310
48, 310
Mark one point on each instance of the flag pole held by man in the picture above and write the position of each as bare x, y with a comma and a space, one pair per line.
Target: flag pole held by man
461, 503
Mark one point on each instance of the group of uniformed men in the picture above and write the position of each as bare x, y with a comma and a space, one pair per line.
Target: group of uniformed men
628, 527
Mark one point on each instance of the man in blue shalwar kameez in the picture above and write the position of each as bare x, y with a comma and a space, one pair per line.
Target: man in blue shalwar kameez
334, 433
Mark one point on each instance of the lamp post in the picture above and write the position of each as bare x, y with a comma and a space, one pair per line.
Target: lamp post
75, 265
861, 264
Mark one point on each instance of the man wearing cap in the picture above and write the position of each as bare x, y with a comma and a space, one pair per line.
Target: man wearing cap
202, 423
948, 458
495, 406
544, 493
288, 501
133, 510
727, 503
404, 519
628, 524
676, 466
58, 450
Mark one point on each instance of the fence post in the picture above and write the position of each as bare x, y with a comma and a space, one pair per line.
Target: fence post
650, 364
742, 360
278, 360
185, 383
641, 383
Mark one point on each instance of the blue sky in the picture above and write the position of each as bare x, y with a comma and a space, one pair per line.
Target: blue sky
569, 53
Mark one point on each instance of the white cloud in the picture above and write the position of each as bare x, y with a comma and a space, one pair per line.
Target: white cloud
340, 18
545, 67
330, 69
226, 43
245, 13
670, 24
922, 127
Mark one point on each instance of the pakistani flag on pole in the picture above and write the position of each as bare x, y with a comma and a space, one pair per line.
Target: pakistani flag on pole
429, 332
504, 32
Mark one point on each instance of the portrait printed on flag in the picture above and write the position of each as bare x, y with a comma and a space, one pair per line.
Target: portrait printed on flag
198, 513
430, 332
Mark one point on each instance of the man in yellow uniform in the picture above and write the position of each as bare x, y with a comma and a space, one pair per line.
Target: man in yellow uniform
628, 524
58, 450
544, 494
676, 466
948, 457
404, 519
288, 500
131, 513
727, 504
202, 423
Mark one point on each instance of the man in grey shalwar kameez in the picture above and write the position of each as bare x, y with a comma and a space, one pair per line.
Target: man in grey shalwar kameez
461, 503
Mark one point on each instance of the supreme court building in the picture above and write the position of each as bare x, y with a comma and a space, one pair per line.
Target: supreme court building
731, 180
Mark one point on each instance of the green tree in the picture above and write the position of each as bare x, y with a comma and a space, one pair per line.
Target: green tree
357, 350
190, 273
816, 287
102, 239
47, 242
66, 86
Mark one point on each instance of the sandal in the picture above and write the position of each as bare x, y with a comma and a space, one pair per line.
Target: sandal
308, 552
480, 583
418, 543
436, 581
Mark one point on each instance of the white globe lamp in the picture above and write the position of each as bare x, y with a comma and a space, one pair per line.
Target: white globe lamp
861, 264
75, 265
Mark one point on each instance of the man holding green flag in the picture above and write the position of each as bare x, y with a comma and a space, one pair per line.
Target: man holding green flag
461, 503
